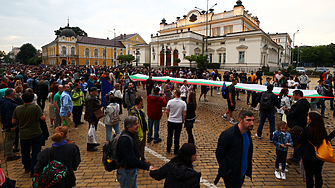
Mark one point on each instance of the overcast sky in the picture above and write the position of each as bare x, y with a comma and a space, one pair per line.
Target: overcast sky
34, 21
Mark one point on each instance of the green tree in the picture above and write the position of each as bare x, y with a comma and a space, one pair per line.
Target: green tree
7, 59
26, 52
201, 60
191, 58
77, 30
35, 61
317, 54
331, 48
126, 58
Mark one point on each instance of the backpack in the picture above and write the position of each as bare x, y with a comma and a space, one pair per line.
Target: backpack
224, 91
109, 155
115, 118
124, 99
266, 102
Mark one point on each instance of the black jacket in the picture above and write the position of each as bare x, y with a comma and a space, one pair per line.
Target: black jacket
130, 152
274, 100
306, 150
298, 114
67, 154
190, 113
42, 91
229, 155
177, 176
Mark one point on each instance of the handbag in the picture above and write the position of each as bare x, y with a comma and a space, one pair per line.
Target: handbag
99, 114
284, 118
51, 174
324, 152
189, 124
91, 136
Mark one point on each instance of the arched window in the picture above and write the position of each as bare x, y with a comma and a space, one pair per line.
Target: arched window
87, 52
64, 50
72, 51
104, 53
96, 53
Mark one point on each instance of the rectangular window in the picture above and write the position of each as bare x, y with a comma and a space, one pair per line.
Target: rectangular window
241, 57
216, 31
184, 55
231, 29
242, 40
225, 30
153, 56
87, 62
114, 53
209, 44
220, 58
224, 57
104, 63
168, 44
96, 62
175, 43
222, 42
210, 58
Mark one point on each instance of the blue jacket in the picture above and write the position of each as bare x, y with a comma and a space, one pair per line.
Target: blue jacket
279, 138
7, 107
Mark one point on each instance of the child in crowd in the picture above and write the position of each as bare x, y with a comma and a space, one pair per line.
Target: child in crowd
282, 139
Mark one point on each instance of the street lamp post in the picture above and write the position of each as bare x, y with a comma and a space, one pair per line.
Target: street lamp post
293, 44
206, 52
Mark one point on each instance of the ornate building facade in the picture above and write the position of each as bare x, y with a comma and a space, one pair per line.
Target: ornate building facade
70, 49
234, 39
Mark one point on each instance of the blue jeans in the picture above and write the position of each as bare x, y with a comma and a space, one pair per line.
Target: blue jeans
127, 178
271, 118
152, 122
109, 130
321, 103
248, 96
35, 144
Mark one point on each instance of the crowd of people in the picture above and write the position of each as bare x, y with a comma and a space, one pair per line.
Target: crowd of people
73, 90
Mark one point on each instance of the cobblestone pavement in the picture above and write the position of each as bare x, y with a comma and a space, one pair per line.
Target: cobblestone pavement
207, 129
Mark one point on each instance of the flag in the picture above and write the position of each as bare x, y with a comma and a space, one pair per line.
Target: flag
170, 49
162, 47
153, 49
106, 87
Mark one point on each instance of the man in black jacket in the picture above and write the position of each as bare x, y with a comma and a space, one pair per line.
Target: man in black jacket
42, 91
128, 153
234, 151
297, 115
259, 75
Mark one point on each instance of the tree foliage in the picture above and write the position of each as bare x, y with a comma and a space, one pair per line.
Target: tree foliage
126, 58
77, 30
7, 59
26, 52
201, 61
191, 58
35, 61
323, 55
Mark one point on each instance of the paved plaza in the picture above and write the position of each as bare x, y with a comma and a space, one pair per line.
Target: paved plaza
207, 129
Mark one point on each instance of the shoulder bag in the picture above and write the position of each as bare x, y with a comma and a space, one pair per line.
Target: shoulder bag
324, 152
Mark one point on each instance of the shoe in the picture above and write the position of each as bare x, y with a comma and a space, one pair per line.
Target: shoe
81, 123
52, 125
92, 149
225, 118
292, 161
206, 100
232, 122
255, 109
218, 93
16, 150
283, 176
324, 116
96, 144
157, 141
281, 167
149, 140
76, 125
13, 157
259, 137
277, 174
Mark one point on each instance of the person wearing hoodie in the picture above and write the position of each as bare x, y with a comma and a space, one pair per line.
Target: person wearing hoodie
143, 125
179, 171
297, 115
154, 108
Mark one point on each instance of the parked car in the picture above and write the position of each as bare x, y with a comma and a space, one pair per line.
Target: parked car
320, 69
300, 69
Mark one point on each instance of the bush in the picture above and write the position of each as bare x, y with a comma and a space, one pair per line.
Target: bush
268, 73
213, 65
309, 72
265, 69
146, 64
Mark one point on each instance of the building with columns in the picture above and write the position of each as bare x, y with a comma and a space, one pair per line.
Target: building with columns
70, 49
234, 39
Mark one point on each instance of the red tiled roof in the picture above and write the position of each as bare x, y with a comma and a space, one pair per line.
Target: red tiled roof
98, 41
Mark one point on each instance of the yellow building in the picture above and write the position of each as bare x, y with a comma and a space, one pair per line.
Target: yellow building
70, 49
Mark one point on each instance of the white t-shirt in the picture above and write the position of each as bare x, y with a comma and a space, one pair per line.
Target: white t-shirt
176, 107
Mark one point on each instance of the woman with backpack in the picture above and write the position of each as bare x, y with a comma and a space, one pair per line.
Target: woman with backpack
112, 118
313, 134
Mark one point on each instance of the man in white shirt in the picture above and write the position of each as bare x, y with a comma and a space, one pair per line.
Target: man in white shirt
176, 114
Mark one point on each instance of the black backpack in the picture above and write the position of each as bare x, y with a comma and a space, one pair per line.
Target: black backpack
266, 102
225, 93
109, 155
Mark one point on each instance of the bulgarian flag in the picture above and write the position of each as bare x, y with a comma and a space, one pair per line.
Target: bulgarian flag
250, 87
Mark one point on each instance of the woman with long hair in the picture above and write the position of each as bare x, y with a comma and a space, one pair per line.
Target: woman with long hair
190, 115
284, 100
167, 90
61, 151
314, 134
184, 90
179, 171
